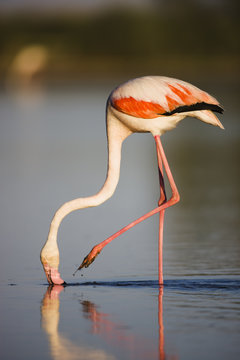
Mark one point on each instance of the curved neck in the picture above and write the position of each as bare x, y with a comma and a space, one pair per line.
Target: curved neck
116, 134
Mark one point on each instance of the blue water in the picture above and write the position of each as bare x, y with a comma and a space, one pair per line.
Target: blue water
121, 320
53, 149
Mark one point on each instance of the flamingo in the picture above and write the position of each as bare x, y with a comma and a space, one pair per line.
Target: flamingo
149, 104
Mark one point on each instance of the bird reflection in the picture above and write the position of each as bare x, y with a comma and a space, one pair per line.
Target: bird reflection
160, 325
113, 332
62, 348
117, 334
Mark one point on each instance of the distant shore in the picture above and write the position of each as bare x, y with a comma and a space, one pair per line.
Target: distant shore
124, 43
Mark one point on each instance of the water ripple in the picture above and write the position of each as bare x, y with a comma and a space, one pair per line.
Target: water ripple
179, 284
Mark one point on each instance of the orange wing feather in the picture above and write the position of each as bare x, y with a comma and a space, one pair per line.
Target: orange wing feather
138, 108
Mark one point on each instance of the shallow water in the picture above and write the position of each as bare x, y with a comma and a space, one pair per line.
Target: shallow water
189, 319
53, 149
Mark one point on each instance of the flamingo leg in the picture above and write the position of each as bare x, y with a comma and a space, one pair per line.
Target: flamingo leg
173, 200
160, 247
163, 198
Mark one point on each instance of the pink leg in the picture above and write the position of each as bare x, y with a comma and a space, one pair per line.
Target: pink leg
173, 200
160, 247
163, 196
162, 200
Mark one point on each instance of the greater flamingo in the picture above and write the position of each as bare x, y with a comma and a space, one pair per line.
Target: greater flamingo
152, 104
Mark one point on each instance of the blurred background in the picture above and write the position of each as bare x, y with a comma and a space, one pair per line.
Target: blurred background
97, 40
59, 60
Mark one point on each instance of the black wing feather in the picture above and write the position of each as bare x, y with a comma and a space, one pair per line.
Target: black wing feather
197, 106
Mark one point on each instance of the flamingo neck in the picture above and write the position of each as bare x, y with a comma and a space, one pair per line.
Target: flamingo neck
116, 134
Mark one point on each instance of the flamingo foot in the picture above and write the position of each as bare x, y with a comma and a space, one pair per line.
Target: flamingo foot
53, 275
89, 258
